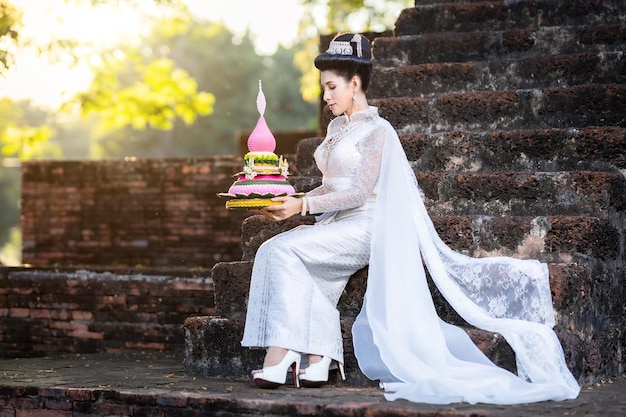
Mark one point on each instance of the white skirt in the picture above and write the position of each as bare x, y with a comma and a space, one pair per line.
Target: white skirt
298, 277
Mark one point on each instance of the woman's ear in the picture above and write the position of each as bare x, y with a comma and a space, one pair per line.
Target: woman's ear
355, 81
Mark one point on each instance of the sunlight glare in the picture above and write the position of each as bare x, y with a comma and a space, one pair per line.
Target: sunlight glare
270, 22
33, 77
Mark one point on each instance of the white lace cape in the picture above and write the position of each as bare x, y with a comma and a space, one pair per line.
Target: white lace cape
399, 338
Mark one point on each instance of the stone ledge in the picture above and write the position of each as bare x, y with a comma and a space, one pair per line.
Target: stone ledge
213, 350
44, 312
550, 238
500, 15
578, 193
499, 74
592, 148
153, 384
403, 50
556, 107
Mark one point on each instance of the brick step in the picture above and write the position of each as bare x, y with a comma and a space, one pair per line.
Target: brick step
583, 256
586, 295
588, 193
548, 238
506, 44
44, 312
232, 280
547, 150
213, 349
556, 107
501, 15
501, 74
517, 193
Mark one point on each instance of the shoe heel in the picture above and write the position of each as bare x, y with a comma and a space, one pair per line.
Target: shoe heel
342, 373
316, 374
272, 377
295, 370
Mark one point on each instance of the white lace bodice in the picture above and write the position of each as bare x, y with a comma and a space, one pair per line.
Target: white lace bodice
349, 159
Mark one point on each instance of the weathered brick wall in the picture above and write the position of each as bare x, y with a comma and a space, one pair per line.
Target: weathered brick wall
153, 212
43, 312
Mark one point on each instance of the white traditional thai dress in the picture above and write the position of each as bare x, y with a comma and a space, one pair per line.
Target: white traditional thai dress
374, 214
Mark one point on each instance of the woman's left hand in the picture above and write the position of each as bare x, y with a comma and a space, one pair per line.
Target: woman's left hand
289, 207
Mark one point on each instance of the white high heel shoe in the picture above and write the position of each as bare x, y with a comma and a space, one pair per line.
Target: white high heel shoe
273, 376
316, 375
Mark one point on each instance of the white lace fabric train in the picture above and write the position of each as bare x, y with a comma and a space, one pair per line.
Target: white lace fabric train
399, 338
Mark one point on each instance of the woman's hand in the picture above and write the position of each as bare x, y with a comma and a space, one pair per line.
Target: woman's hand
289, 207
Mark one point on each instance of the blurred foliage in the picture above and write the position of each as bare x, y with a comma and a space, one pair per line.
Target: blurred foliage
24, 132
339, 16
10, 19
11, 251
220, 63
9, 203
157, 96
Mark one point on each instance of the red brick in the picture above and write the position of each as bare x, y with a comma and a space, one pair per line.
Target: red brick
59, 404
19, 312
24, 291
64, 325
144, 345
52, 392
114, 300
7, 412
203, 285
149, 412
28, 403
80, 394
82, 315
172, 401
60, 314
86, 335
40, 313
42, 413
105, 409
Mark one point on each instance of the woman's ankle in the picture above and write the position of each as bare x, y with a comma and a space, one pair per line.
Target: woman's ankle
314, 359
274, 355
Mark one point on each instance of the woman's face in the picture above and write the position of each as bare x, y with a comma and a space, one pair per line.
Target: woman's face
338, 93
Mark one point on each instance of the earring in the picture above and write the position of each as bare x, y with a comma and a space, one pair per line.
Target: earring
354, 96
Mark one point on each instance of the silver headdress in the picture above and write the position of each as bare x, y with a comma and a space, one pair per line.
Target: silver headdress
345, 47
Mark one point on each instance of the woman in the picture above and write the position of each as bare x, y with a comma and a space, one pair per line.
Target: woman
372, 213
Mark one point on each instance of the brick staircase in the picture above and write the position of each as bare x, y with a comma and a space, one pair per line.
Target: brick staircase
512, 115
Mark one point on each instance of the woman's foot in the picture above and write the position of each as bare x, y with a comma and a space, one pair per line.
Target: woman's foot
316, 374
275, 367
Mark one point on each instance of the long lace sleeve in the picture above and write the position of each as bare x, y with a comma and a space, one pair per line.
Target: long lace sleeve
316, 191
364, 180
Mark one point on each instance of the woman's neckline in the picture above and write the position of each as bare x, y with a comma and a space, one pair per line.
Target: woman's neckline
361, 114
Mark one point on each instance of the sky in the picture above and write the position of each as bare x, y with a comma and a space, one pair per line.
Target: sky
49, 84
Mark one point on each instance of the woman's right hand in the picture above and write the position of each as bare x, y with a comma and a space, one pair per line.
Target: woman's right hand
289, 207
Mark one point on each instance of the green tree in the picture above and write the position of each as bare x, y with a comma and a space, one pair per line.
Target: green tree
32, 141
341, 16
9, 208
229, 68
156, 95
24, 132
10, 19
